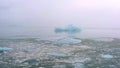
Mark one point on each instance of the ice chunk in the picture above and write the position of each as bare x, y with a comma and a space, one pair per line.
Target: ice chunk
59, 66
112, 66
71, 29
68, 41
80, 60
30, 62
5, 49
63, 65
107, 56
56, 54
79, 65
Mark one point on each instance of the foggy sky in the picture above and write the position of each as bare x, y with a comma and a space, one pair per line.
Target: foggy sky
52, 13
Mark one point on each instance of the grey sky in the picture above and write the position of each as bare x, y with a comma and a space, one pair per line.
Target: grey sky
51, 13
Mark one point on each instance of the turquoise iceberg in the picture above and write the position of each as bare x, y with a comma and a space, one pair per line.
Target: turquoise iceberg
71, 29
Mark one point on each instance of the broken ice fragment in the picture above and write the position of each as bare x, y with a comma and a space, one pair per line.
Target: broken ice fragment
5, 49
107, 56
79, 65
59, 66
68, 41
71, 29
31, 62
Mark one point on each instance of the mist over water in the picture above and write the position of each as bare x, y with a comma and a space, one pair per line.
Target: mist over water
38, 18
38, 34
42, 32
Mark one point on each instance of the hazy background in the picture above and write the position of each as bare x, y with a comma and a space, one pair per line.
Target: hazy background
40, 17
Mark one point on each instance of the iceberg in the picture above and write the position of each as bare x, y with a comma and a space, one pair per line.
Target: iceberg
70, 29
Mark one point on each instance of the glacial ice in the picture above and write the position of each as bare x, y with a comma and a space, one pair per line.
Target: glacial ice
56, 54
79, 65
5, 49
70, 29
107, 56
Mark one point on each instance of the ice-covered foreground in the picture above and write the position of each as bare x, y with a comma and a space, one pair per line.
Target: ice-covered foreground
34, 53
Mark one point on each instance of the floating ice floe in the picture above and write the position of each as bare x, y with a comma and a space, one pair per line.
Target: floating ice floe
68, 41
63, 65
80, 60
5, 49
52, 39
112, 66
56, 54
106, 56
59, 66
71, 29
79, 65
